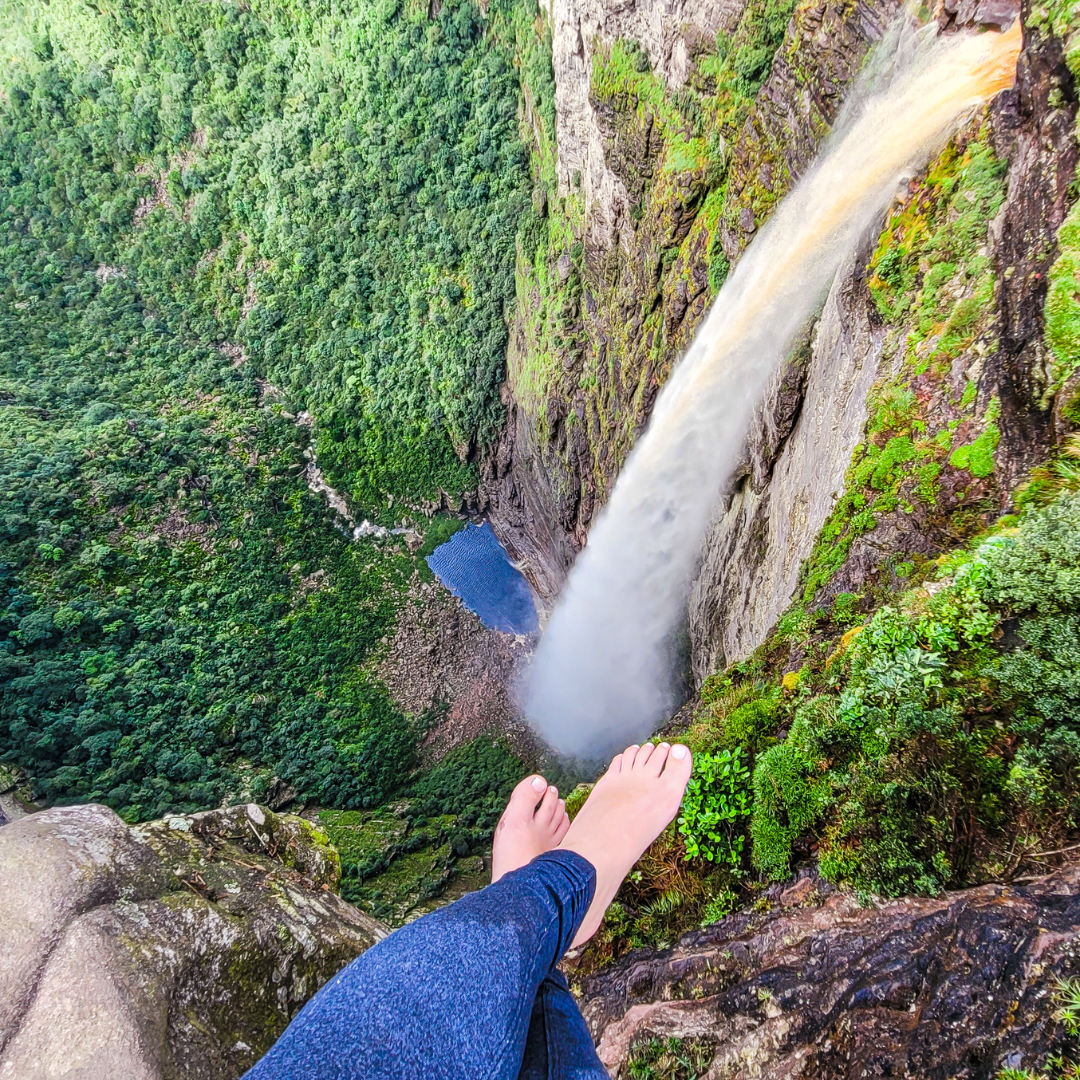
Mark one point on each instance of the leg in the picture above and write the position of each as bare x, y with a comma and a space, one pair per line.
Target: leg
451, 995
559, 1046
448, 996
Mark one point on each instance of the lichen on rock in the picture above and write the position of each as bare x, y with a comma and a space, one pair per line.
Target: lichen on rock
177, 948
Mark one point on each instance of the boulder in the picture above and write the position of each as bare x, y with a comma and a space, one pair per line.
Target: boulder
947, 988
176, 949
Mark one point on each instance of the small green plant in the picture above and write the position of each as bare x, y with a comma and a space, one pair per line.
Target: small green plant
715, 806
1067, 999
1058, 1066
719, 907
1059, 476
669, 1059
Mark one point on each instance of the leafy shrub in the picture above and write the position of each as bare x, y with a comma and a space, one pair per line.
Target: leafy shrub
785, 805
473, 781
716, 803
1034, 573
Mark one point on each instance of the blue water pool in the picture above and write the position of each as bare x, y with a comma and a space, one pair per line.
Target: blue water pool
474, 567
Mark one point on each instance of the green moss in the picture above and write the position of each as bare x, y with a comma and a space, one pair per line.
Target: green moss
1062, 310
871, 487
932, 240
978, 457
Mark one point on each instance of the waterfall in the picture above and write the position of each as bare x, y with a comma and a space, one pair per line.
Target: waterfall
602, 675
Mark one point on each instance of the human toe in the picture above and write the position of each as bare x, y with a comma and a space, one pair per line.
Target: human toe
562, 822
654, 766
641, 758
545, 812
526, 795
680, 763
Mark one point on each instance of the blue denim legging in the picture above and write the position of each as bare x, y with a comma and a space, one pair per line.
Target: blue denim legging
469, 992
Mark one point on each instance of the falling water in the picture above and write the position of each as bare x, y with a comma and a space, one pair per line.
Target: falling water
602, 674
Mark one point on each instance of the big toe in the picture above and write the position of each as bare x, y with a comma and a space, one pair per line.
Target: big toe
677, 768
525, 796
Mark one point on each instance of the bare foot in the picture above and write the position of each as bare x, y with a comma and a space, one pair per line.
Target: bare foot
526, 829
626, 811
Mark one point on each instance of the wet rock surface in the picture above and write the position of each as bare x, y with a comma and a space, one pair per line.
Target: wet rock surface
959, 986
178, 948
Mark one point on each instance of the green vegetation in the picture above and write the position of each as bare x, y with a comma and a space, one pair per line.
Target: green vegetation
713, 809
213, 216
669, 1059
396, 858
1059, 475
928, 756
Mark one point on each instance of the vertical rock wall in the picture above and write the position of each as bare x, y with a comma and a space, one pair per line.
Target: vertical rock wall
753, 555
636, 237
753, 565
639, 239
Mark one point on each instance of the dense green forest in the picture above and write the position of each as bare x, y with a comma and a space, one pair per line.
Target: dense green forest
212, 216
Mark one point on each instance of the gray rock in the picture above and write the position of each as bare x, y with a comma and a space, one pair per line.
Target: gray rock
754, 552
180, 948
956, 986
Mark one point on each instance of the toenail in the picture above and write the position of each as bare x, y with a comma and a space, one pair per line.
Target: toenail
553, 789
678, 751
539, 783
664, 745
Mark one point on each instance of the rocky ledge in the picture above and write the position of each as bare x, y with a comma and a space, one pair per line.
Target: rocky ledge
959, 986
180, 948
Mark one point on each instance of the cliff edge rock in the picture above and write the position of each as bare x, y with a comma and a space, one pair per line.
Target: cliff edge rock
178, 948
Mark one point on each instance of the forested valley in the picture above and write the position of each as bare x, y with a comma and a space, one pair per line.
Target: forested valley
214, 218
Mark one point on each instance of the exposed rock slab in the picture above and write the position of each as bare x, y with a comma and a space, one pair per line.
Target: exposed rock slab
959, 986
180, 948
669, 32
754, 553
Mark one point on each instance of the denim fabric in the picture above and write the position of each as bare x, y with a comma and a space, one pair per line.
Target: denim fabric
559, 1046
454, 995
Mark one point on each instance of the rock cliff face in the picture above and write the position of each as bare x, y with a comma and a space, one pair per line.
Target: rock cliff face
798, 454
756, 551
663, 178
179, 948
671, 35
640, 237
956, 987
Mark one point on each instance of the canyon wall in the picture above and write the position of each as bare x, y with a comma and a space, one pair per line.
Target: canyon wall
666, 165
664, 172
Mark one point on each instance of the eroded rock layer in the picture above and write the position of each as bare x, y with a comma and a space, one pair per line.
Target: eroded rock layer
178, 948
955, 987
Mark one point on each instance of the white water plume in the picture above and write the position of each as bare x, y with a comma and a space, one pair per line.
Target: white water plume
602, 674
